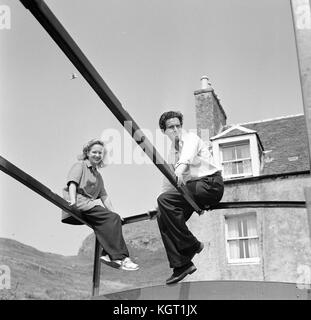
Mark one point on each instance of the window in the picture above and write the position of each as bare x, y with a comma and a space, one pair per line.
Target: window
236, 160
242, 238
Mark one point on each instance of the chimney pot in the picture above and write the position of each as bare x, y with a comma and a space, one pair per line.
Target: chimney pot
209, 113
205, 84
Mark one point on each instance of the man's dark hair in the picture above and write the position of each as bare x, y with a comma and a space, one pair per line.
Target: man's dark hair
169, 115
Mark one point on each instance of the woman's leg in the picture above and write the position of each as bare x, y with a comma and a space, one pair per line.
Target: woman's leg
108, 230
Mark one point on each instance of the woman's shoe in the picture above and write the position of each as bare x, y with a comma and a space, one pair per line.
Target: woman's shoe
125, 264
111, 263
128, 265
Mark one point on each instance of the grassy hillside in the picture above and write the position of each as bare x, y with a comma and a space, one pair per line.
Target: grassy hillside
41, 275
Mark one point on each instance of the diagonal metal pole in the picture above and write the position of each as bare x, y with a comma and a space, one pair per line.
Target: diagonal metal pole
33, 184
36, 186
51, 24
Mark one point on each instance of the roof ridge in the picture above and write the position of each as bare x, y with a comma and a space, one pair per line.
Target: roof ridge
271, 119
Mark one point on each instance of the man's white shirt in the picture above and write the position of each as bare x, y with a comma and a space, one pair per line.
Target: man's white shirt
194, 152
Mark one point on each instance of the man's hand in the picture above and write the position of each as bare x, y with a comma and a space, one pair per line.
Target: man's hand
71, 203
179, 174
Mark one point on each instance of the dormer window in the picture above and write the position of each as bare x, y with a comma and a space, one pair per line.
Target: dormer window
238, 151
236, 159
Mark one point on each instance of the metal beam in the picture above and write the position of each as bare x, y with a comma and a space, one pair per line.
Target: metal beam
150, 215
96, 268
33, 184
258, 204
50, 23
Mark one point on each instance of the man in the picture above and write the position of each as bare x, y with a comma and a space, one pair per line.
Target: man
195, 168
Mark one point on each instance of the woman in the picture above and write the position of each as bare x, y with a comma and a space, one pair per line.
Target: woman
85, 190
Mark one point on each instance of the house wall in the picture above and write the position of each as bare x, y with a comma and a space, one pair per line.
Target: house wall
284, 234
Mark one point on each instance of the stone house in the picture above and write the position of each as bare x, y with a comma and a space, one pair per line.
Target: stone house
261, 160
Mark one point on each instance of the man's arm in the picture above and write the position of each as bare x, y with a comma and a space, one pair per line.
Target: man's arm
179, 172
166, 185
189, 149
188, 153
108, 204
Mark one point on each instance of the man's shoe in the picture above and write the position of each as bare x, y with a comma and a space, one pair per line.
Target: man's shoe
198, 250
179, 275
201, 247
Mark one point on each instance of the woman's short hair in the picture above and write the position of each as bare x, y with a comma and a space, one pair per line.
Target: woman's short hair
169, 115
87, 147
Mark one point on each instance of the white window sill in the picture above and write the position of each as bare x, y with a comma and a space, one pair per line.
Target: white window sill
236, 176
244, 261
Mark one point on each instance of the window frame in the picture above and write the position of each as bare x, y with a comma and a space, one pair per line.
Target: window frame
241, 261
255, 151
235, 144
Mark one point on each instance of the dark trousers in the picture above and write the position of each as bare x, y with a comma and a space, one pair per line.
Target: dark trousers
108, 230
180, 244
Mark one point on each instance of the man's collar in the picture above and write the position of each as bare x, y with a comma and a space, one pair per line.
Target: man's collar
183, 134
181, 140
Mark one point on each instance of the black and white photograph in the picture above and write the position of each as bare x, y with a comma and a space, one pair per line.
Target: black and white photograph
155, 150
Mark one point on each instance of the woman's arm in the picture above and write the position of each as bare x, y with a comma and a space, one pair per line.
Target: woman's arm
107, 202
72, 193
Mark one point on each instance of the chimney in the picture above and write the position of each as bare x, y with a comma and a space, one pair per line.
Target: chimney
210, 116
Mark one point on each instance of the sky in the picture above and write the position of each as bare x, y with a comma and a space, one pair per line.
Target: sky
152, 54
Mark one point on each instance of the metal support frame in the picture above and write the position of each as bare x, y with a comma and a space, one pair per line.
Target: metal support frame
50, 23
96, 268
33, 184
54, 28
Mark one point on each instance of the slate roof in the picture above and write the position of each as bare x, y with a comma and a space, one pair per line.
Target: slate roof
284, 141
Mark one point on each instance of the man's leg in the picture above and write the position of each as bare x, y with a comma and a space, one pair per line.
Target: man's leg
207, 191
179, 242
